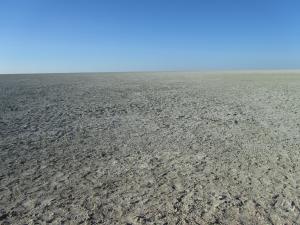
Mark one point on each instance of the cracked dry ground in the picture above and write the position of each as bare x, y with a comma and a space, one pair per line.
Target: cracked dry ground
151, 148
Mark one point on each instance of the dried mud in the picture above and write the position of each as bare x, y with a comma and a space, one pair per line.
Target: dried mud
150, 148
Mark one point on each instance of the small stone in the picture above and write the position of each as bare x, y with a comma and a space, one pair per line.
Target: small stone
222, 197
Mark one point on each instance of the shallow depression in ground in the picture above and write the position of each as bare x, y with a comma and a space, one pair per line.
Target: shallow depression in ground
150, 148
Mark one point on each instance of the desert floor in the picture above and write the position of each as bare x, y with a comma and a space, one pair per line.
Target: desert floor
150, 148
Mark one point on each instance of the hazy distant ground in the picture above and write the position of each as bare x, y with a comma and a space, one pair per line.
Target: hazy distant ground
150, 148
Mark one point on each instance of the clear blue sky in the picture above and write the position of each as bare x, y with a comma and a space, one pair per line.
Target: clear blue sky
129, 35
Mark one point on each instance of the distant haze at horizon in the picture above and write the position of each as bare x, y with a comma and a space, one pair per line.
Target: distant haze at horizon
95, 36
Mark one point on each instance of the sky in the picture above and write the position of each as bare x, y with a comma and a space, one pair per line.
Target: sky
148, 35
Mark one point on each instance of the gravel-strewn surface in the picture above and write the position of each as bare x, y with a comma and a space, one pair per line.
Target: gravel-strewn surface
150, 148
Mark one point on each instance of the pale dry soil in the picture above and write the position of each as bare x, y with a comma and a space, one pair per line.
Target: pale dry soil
150, 148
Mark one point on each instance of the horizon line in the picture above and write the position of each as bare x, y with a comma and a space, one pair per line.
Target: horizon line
159, 71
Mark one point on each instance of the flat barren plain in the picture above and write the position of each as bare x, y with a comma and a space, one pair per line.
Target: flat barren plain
150, 148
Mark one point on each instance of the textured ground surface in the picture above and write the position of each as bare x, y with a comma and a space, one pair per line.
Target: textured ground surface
163, 148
